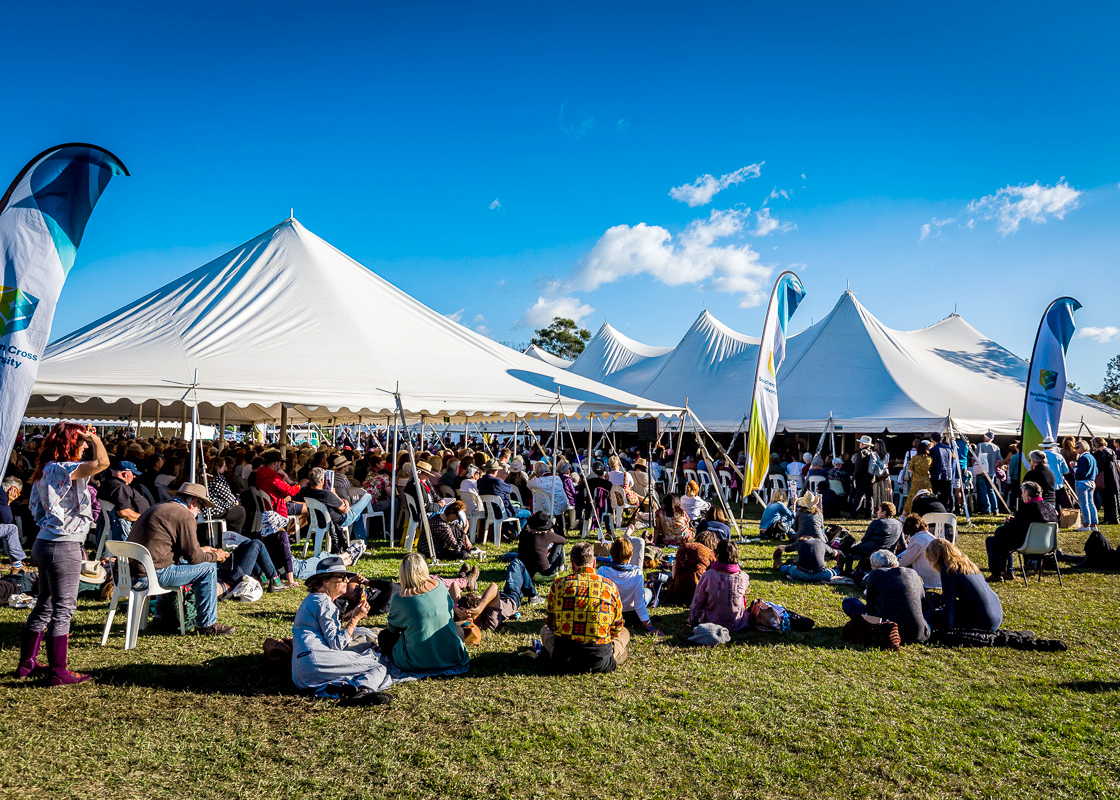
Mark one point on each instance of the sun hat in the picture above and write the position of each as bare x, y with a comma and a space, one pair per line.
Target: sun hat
641, 462
197, 492
93, 572
338, 461
492, 465
271, 523
1048, 444
330, 567
865, 440
424, 466
808, 500
709, 634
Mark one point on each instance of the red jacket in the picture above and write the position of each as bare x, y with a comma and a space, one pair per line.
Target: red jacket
278, 490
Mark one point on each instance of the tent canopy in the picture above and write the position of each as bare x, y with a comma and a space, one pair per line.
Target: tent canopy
547, 357
287, 319
849, 366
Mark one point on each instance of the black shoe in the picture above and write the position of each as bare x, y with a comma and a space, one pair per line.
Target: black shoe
366, 697
217, 629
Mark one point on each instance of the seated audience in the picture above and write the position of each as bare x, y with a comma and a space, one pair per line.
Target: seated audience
547, 492
169, 531
884, 533
540, 554
1012, 533
777, 518
9, 533
324, 660
967, 601
715, 520
671, 524
893, 593
630, 581
1041, 473
918, 538
810, 564
809, 520
420, 635
692, 503
692, 561
583, 629
926, 502
721, 595
272, 482
449, 534
490, 483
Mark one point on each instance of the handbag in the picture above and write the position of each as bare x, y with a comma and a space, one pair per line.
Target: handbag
1069, 518
249, 590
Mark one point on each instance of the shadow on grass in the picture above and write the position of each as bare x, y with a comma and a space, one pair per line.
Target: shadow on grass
244, 676
1091, 687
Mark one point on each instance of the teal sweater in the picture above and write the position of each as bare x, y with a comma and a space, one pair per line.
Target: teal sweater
428, 642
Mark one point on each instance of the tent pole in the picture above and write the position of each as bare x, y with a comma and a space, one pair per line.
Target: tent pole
712, 477
182, 424
283, 429
393, 485
421, 508
950, 428
555, 449
677, 450
158, 409
221, 428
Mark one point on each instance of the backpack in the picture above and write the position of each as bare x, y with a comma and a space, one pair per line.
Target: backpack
883, 634
767, 616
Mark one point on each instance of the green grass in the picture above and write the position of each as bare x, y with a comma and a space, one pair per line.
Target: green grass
801, 715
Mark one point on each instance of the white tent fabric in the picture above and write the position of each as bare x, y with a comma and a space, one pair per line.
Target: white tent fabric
547, 357
288, 319
849, 366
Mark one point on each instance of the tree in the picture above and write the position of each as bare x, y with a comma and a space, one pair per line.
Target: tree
1110, 392
562, 338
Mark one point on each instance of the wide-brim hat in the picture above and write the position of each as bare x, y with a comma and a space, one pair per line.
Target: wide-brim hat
1048, 444
196, 491
641, 462
865, 440
424, 466
330, 567
808, 500
338, 461
93, 572
493, 465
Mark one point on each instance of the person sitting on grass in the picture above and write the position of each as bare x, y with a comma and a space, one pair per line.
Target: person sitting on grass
893, 593
631, 584
671, 524
449, 534
721, 595
693, 504
918, 538
810, 520
324, 661
490, 609
715, 520
692, 561
9, 532
967, 601
926, 502
884, 533
1011, 534
809, 566
583, 630
777, 518
420, 635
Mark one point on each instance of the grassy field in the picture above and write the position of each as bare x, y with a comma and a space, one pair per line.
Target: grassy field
767, 716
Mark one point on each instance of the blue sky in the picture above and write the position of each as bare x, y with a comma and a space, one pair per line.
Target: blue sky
839, 131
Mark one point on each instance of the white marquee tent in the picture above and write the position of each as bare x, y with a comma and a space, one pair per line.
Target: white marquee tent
287, 319
848, 365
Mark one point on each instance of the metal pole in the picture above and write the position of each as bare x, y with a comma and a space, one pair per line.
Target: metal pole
393, 485
158, 409
421, 508
555, 448
283, 429
222, 428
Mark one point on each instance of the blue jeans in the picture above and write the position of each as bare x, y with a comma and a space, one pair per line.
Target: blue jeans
204, 578
854, 607
986, 496
9, 540
519, 582
251, 557
304, 568
354, 515
1085, 490
809, 577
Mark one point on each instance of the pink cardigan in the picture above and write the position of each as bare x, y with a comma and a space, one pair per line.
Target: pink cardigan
721, 597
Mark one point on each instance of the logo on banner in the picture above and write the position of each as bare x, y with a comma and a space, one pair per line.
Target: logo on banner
17, 308
1047, 379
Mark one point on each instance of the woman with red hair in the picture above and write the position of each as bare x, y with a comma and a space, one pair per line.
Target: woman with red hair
61, 506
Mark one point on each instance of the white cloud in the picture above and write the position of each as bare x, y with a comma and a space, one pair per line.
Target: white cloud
622, 126
577, 128
495, 205
1032, 202
542, 312
694, 257
479, 323
767, 224
775, 193
457, 316
1102, 335
934, 226
703, 189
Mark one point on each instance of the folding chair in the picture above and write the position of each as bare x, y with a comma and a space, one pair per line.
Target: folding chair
495, 515
137, 618
1041, 541
318, 526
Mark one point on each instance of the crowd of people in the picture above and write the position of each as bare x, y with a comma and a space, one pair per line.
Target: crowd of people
60, 484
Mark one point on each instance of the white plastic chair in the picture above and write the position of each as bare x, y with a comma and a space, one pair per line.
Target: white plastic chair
619, 506
475, 513
367, 517
707, 488
725, 486
943, 526
816, 483
104, 529
318, 526
1041, 541
668, 480
690, 475
413, 522
776, 482
137, 618
215, 528
495, 515
837, 487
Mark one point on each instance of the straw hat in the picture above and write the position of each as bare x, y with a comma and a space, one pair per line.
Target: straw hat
865, 440
809, 500
197, 492
424, 466
338, 461
640, 463
93, 572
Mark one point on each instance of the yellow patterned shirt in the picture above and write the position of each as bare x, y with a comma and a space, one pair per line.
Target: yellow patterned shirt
584, 607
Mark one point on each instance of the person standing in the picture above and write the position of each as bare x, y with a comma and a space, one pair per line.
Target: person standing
1108, 480
62, 508
989, 456
1085, 483
941, 470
